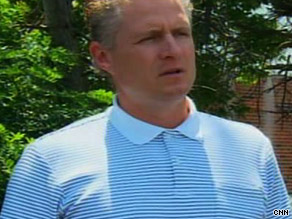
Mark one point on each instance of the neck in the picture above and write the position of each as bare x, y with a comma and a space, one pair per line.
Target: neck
167, 114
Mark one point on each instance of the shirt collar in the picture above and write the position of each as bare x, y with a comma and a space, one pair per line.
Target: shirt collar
141, 132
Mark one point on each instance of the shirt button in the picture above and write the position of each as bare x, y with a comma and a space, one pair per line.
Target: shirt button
176, 161
167, 135
172, 132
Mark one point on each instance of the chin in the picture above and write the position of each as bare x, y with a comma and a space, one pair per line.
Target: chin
177, 92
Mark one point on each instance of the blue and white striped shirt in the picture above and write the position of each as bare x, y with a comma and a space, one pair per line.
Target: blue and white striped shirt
113, 165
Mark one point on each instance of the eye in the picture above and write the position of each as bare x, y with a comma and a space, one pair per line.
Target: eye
148, 39
182, 33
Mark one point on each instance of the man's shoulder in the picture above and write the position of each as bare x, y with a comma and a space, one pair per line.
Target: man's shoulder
77, 131
230, 128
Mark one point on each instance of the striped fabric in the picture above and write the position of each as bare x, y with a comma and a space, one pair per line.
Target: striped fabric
113, 166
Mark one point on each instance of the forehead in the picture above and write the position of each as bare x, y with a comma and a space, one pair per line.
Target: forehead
140, 14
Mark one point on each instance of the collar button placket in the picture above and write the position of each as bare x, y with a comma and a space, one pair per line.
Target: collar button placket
170, 144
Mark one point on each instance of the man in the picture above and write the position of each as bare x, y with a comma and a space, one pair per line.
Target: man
151, 155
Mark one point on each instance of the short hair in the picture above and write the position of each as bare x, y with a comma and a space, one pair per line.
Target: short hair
105, 16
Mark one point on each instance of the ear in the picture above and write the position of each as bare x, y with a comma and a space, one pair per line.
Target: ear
101, 56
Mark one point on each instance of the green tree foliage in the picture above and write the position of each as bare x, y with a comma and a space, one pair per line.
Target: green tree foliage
234, 43
33, 97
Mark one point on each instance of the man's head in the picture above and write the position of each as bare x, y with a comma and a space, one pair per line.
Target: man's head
146, 46
105, 16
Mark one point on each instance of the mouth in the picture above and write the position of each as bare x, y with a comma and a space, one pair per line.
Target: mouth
174, 71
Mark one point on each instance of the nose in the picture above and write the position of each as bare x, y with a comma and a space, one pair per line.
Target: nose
170, 47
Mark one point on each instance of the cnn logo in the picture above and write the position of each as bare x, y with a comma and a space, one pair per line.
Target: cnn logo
281, 212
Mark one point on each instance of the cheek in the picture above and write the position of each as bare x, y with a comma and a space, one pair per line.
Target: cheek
189, 45
189, 49
139, 57
145, 56
190, 57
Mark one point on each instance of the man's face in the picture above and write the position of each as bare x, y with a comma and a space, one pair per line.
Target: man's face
154, 53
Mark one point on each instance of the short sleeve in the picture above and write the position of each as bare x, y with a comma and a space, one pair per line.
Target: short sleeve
32, 191
277, 196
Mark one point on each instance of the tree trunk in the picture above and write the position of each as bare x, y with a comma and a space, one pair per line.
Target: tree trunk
58, 18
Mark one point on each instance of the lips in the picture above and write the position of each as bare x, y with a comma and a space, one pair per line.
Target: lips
173, 71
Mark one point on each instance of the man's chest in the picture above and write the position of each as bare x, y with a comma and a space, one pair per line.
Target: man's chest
171, 178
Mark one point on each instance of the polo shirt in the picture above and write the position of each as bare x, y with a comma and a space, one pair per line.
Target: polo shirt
115, 166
